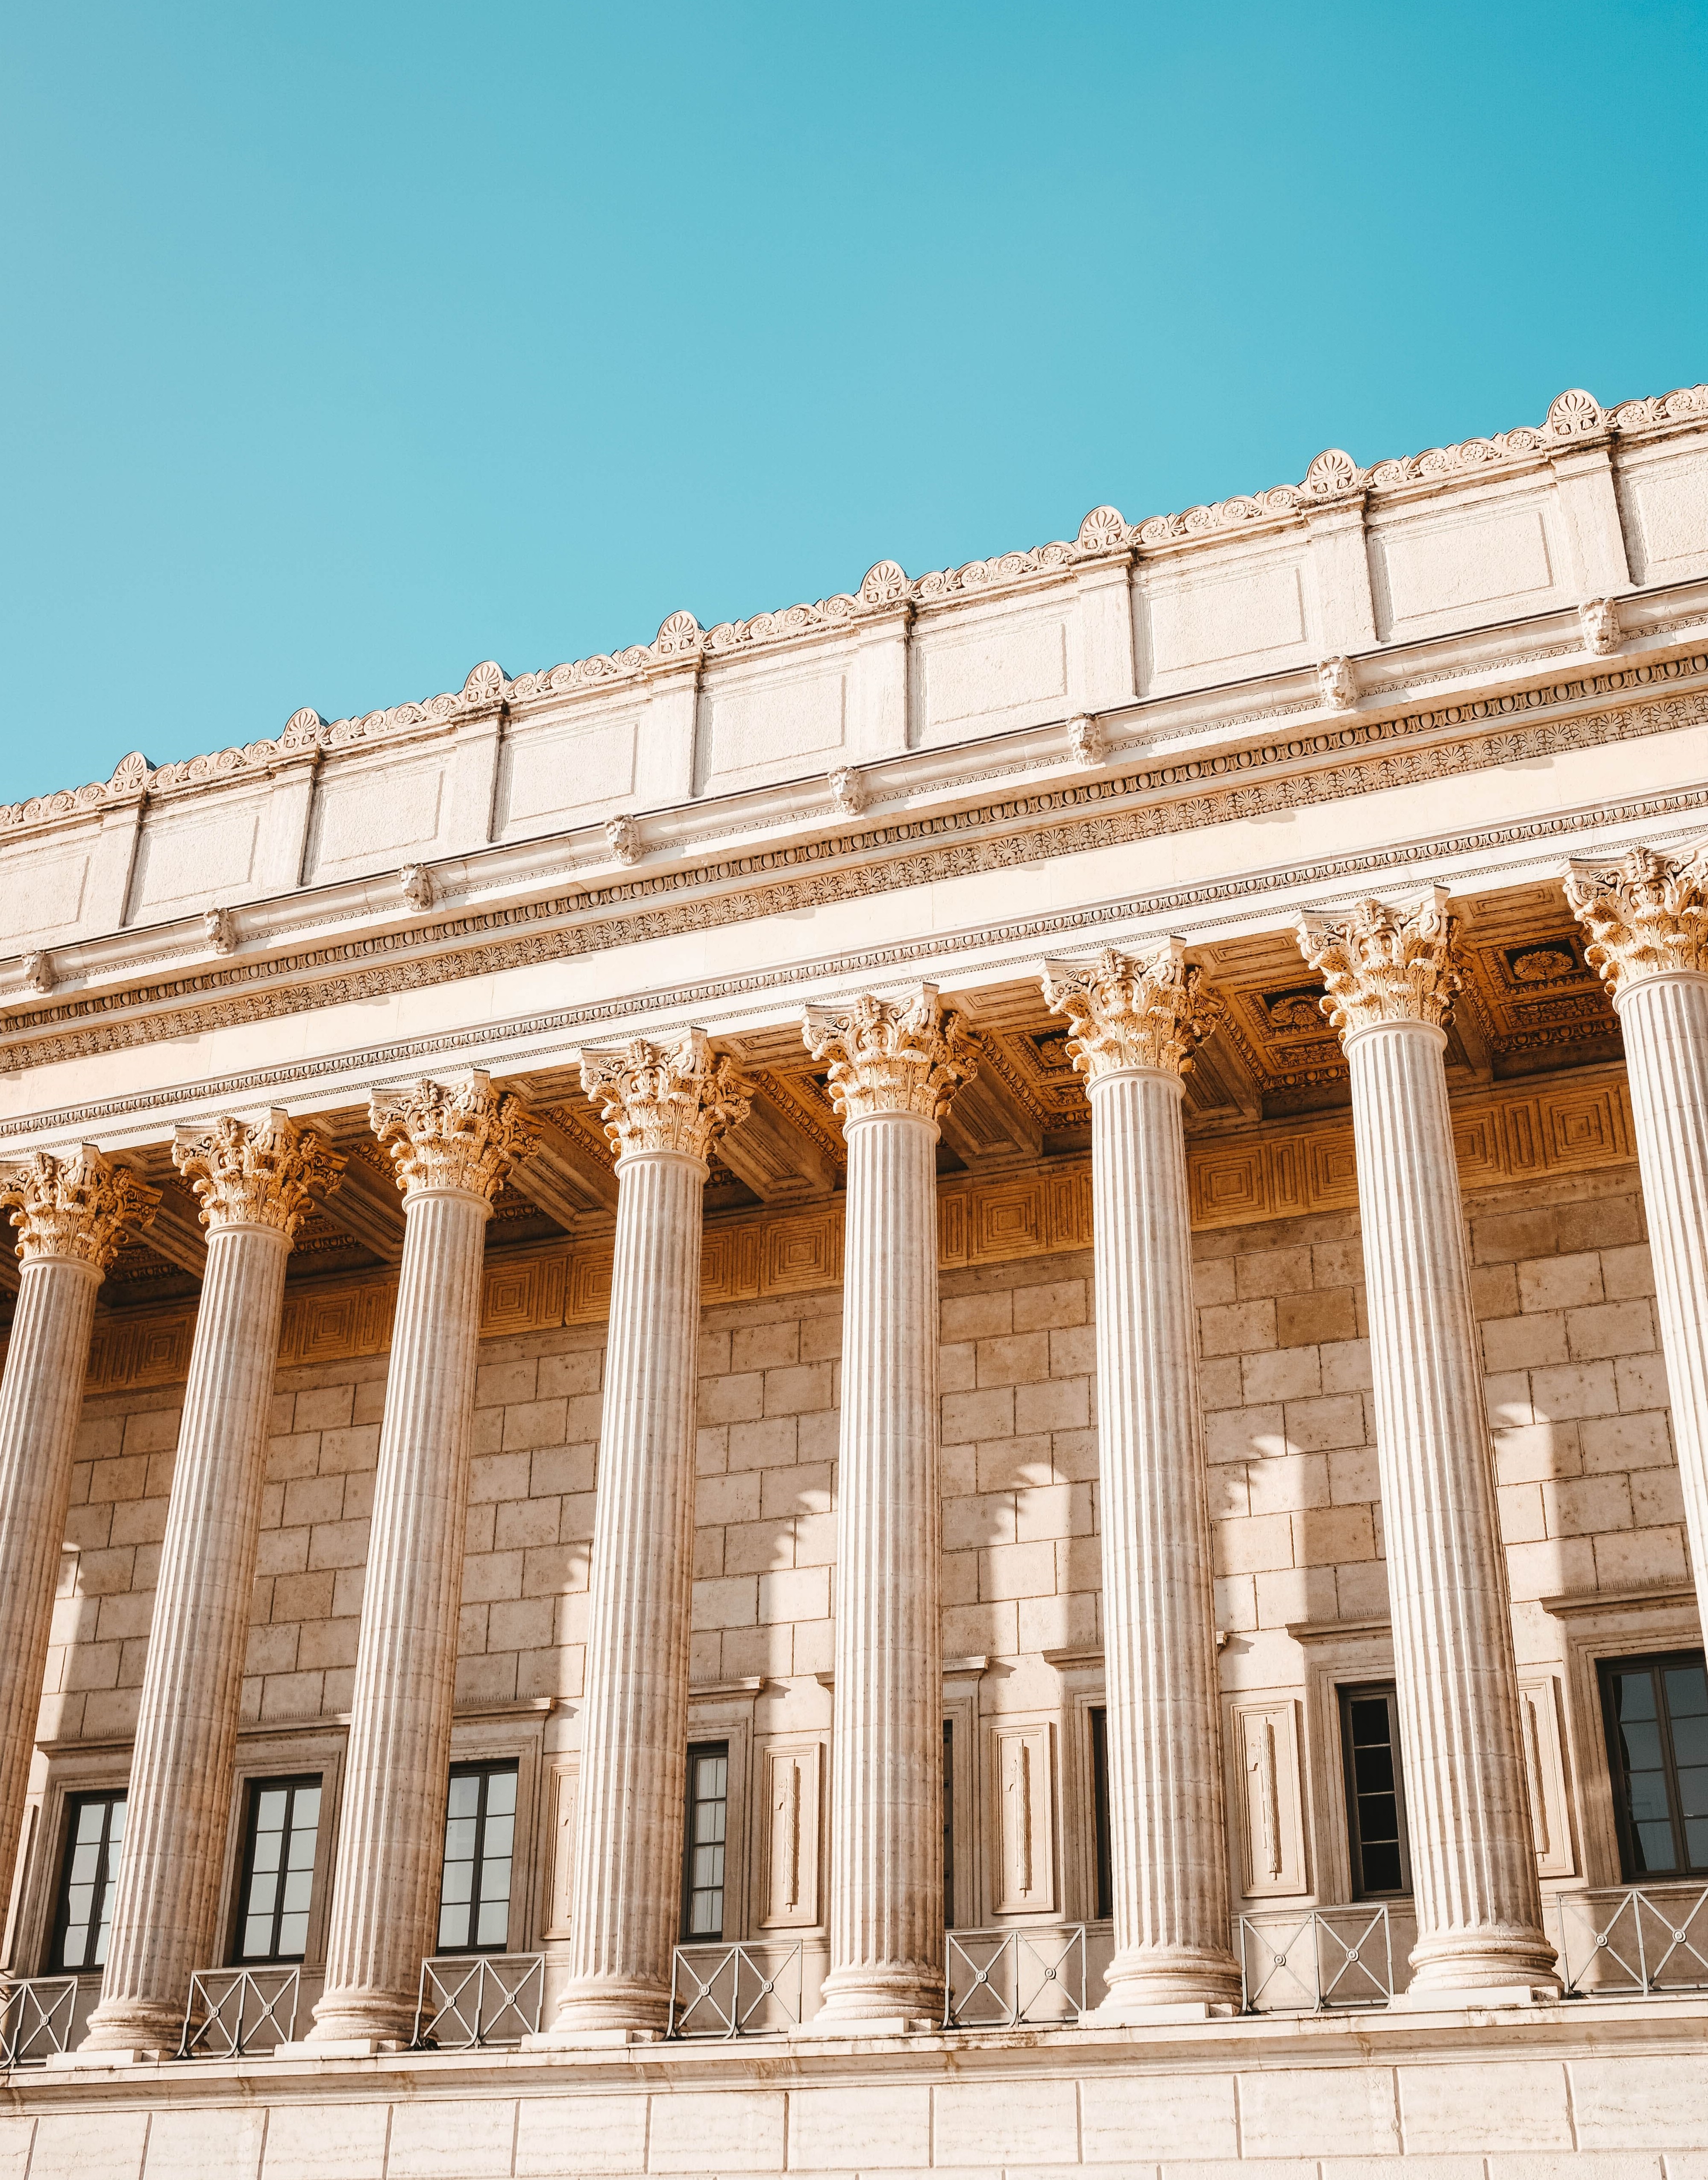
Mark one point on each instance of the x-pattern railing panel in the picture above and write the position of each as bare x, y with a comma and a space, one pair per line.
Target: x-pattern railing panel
1317, 1959
231, 2011
35, 2018
735, 1989
473, 2001
1033, 1978
1636, 1939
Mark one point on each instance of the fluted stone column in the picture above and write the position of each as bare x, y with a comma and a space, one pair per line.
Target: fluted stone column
253, 1182
663, 1110
894, 1069
1647, 918
72, 1215
451, 1148
1135, 1022
1391, 983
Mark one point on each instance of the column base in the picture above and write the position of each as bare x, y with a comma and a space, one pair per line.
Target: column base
355, 2023
84, 2060
848, 2029
1136, 2013
339, 2047
574, 2038
1456, 1998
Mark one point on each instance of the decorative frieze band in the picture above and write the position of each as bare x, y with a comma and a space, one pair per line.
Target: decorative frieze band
1278, 1172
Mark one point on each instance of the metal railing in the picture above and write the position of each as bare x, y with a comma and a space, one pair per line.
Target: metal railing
1015, 1979
1315, 1960
474, 2001
735, 1989
1634, 1939
230, 2011
35, 2018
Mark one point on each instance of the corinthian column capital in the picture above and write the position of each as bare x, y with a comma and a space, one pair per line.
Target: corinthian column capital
893, 1056
655, 1098
1383, 964
78, 1206
467, 1136
1131, 1011
1646, 915
255, 1175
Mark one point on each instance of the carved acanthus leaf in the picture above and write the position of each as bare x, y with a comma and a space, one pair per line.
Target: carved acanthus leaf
1149, 1009
1384, 963
1645, 915
658, 1098
78, 1205
256, 1174
893, 1056
464, 1136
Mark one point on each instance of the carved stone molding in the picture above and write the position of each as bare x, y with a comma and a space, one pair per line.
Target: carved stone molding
847, 791
1085, 739
890, 1056
415, 884
1383, 964
221, 931
1645, 915
78, 1206
1338, 679
1147, 1011
625, 837
257, 1175
1599, 620
652, 1098
465, 1136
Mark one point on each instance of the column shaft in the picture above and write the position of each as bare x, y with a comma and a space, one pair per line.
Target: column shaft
628, 1867
391, 1823
1167, 1826
886, 1760
166, 1905
1665, 1020
1473, 1852
41, 1401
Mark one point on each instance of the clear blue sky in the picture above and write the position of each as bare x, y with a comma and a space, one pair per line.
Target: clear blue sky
344, 345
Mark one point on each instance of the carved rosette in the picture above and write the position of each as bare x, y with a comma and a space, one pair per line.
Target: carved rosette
256, 1175
1131, 1011
892, 1056
1646, 915
78, 1206
655, 1098
465, 1136
1383, 964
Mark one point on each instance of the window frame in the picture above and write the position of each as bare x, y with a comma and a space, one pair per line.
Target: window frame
1349, 1692
711, 1747
59, 1928
1656, 1663
1103, 1836
484, 1768
254, 1788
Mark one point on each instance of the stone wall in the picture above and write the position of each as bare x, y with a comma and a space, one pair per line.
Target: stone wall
1589, 1499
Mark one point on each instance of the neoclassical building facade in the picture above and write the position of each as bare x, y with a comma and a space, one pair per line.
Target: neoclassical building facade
920, 1383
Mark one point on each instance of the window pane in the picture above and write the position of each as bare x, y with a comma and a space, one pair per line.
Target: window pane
1656, 1711
495, 1921
1375, 1819
501, 1794
480, 1828
293, 1935
278, 1883
704, 1827
466, 1797
83, 1904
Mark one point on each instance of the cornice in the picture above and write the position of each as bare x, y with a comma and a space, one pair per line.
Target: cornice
1338, 761
1249, 899
1575, 420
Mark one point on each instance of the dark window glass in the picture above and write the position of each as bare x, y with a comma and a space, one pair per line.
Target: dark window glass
702, 1841
94, 1835
1657, 1712
948, 1823
278, 1869
1375, 1793
1100, 1814
479, 1833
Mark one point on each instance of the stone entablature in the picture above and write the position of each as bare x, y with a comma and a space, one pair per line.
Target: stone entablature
1319, 595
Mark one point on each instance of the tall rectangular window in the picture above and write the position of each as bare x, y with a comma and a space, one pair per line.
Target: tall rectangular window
83, 1907
278, 1869
1100, 1814
704, 1825
1375, 1793
480, 1835
948, 1823
1657, 1715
